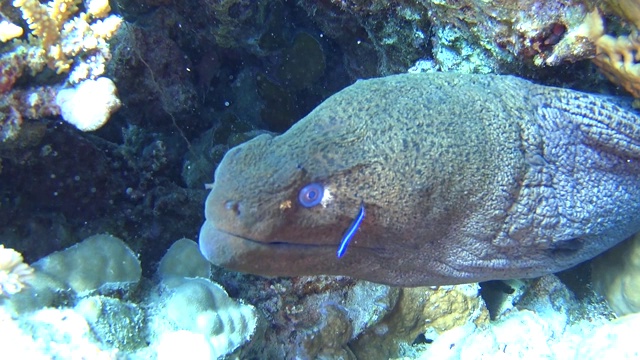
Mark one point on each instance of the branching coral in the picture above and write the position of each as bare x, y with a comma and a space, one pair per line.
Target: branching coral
628, 9
9, 30
45, 22
618, 57
58, 35
62, 39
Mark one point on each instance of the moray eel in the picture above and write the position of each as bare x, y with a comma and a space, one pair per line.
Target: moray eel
463, 178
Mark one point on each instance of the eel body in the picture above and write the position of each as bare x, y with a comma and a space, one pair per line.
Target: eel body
463, 178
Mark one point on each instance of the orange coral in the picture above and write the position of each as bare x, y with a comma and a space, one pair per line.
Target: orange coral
628, 9
46, 22
618, 59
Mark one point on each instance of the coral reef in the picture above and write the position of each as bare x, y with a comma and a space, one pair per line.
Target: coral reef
468, 36
548, 322
50, 333
196, 78
58, 35
628, 9
87, 298
421, 311
183, 260
483, 37
617, 60
313, 317
9, 31
61, 39
203, 309
309, 317
324, 325
14, 273
113, 267
88, 105
616, 276
508, 31
619, 331
121, 324
376, 37
196, 312
617, 55
112, 264
154, 78
176, 82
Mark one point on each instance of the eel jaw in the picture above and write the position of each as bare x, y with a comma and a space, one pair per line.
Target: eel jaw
272, 259
219, 247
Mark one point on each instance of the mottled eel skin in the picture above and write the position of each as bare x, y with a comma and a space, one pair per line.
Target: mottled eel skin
464, 178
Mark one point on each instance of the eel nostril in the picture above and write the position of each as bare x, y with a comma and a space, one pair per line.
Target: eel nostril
232, 206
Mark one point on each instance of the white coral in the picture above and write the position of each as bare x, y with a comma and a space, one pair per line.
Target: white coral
14, 273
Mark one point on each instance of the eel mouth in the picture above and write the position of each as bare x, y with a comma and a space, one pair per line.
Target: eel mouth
243, 254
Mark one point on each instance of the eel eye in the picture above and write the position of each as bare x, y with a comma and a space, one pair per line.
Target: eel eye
311, 195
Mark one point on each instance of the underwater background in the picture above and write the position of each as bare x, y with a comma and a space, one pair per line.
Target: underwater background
115, 114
